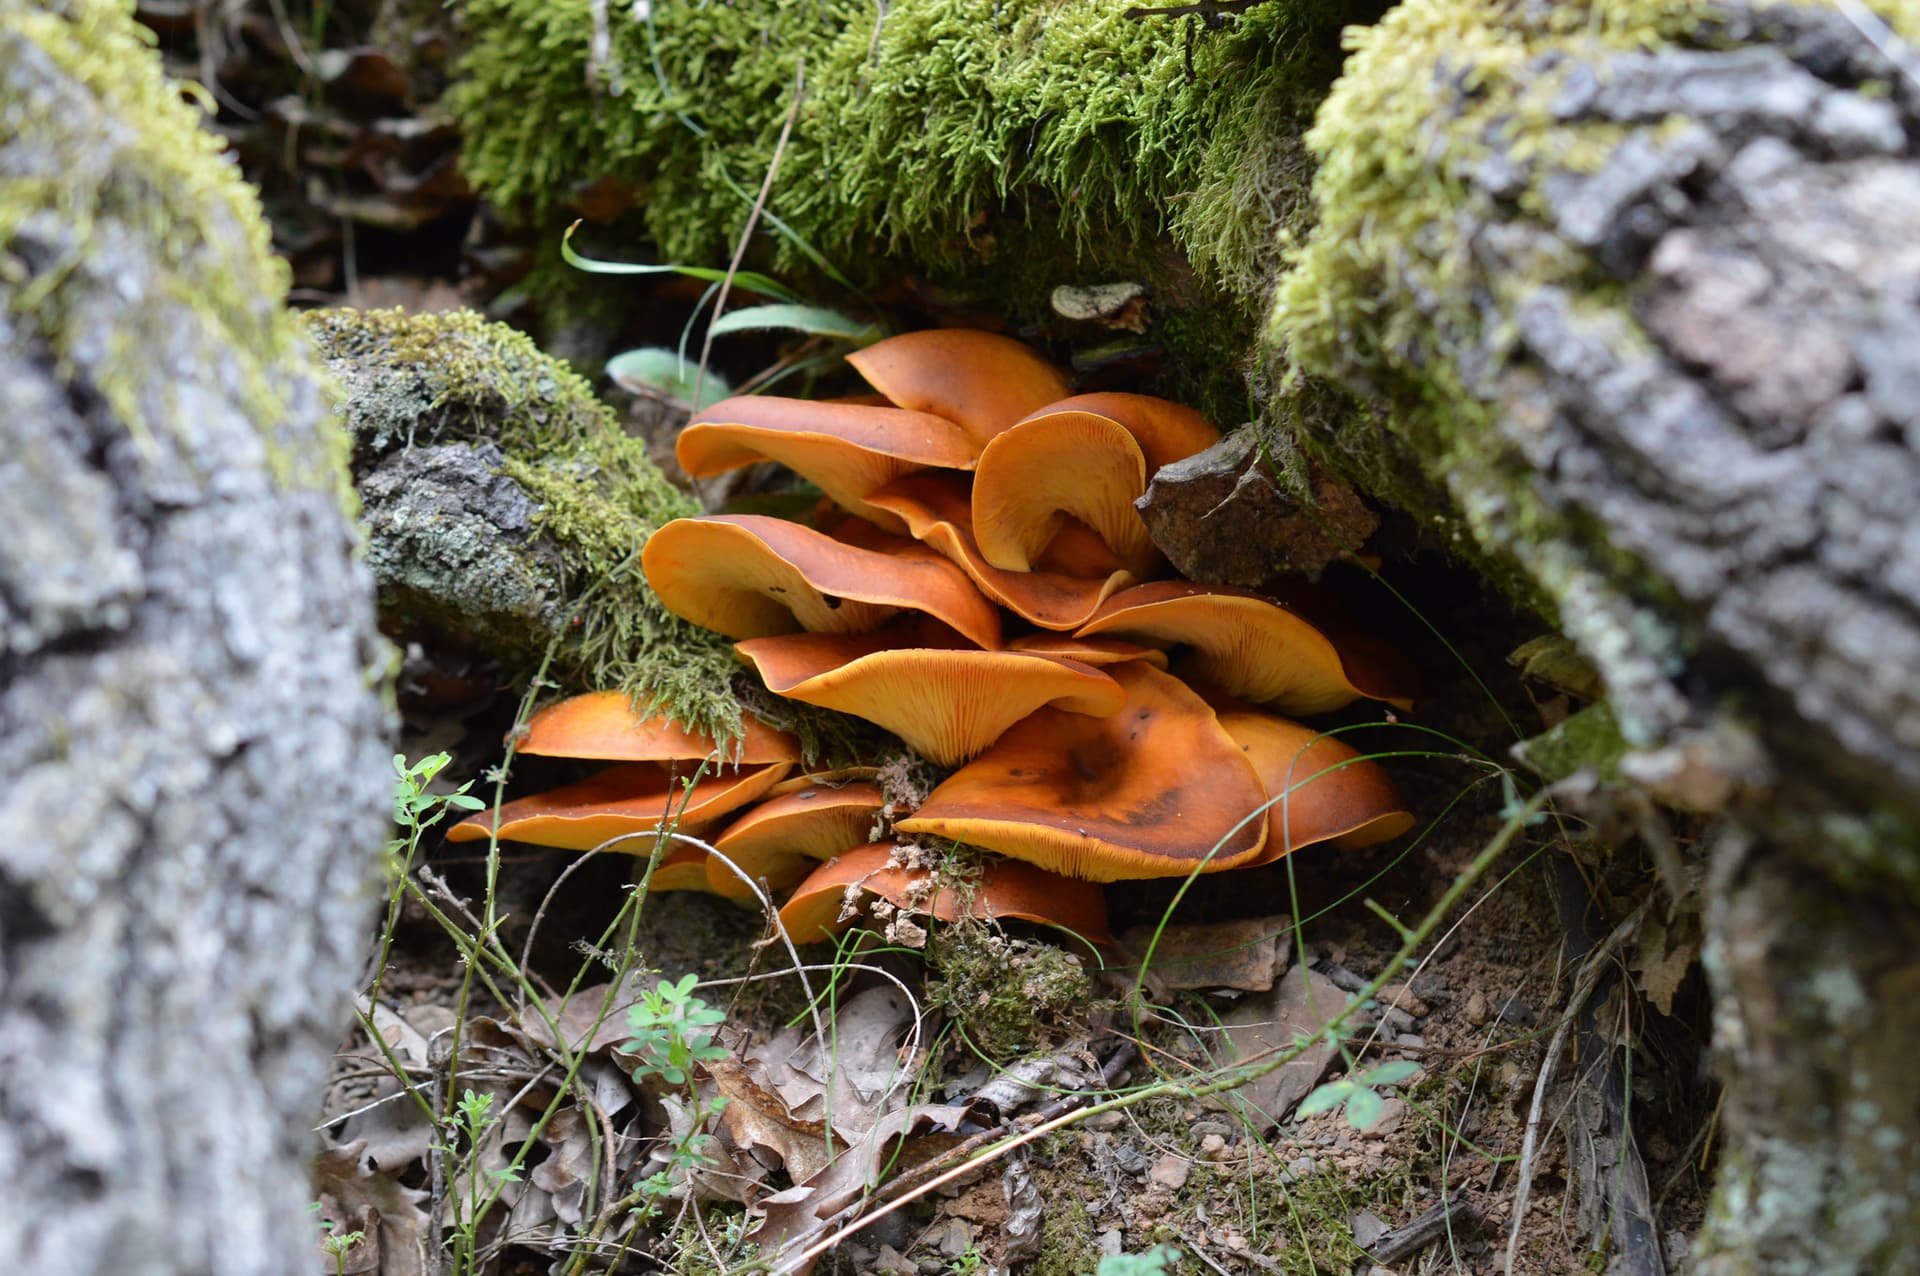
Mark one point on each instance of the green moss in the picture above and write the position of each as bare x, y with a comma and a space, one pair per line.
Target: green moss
929, 127
465, 379
137, 200
1008, 996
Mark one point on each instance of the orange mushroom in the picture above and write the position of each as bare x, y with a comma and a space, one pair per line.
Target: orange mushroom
633, 801
603, 724
1098, 652
1155, 790
1244, 644
1034, 475
946, 701
978, 380
1321, 789
937, 511
780, 839
845, 449
1007, 889
751, 576
1166, 431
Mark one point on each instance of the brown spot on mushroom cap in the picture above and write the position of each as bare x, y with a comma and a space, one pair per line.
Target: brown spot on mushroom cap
978, 380
937, 510
1036, 474
783, 837
1007, 889
750, 576
1151, 791
1326, 791
844, 449
1166, 431
635, 798
1242, 643
947, 702
603, 724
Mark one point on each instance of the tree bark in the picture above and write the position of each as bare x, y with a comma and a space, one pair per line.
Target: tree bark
1664, 357
191, 728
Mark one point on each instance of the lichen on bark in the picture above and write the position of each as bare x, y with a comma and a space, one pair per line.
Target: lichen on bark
507, 509
187, 649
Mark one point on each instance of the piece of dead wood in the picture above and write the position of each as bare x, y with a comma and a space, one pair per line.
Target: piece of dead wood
1410, 1238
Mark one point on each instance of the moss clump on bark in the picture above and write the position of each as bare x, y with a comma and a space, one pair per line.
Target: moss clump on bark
59, 223
935, 129
456, 378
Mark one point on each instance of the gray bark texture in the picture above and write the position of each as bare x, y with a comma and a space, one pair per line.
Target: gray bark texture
196, 786
1693, 366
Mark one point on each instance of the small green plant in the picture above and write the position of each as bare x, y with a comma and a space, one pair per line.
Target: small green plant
1152, 1263
672, 1032
415, 810
1364, 1103
968, 1264
336, 1243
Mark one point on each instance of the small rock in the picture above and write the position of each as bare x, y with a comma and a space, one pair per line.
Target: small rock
1204, 1128
889, 1230
891, 1263
1402, 997
1392, 1113
1343, 979
1411, 1040
1170, 1172
957, 1240
1397, 1019
1516, 1011
1221, 516
1112, 1242
1103, 1121
1128, 1158
1478, 1011
1368, 1227
1212, 1145
1301, 1166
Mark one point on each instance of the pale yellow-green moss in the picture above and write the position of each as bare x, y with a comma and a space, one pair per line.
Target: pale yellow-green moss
160, 188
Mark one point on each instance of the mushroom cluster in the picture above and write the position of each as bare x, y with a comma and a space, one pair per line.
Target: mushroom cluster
985, 589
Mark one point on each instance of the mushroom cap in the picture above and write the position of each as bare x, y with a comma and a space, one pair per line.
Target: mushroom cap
633, 798
682, 868
1151, 791
1098, 652
937, 510
981, 381
1166, 431
844, 449
603, 724
823, 779
1243, 643
947, 702
1326, 790
783, 837
1036, 474
751, 576
1006, 889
